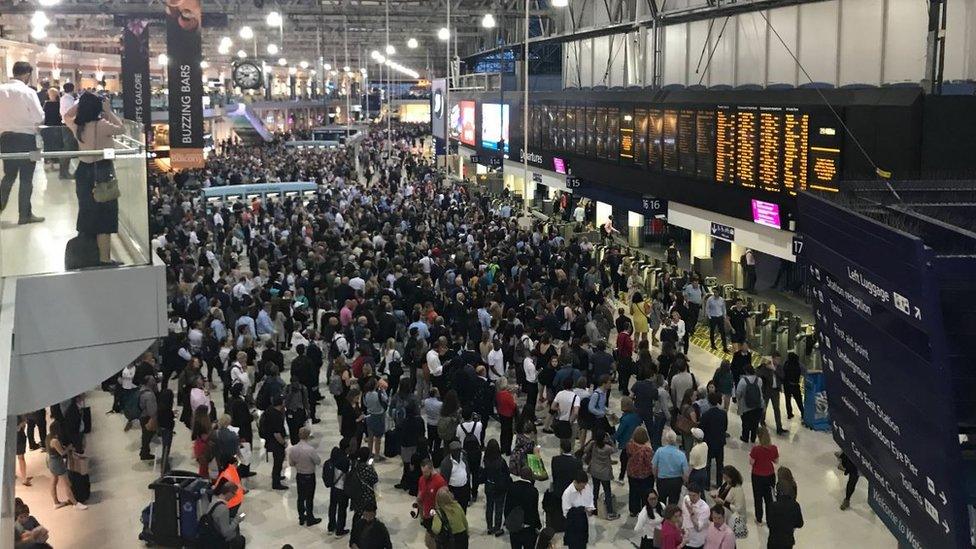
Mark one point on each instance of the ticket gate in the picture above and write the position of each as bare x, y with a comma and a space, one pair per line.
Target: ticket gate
767, 336
782, 343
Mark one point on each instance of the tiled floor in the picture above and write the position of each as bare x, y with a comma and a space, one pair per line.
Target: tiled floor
120, 492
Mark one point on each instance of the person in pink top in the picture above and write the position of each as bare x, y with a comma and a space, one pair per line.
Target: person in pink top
671, 535
719, 534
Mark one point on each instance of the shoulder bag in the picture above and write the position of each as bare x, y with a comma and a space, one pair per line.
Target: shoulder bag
106, 183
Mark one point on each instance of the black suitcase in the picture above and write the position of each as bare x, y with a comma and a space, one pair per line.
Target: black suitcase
80, 486
81, 252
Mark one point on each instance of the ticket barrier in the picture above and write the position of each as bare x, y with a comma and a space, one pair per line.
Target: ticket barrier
783, 340
767, 336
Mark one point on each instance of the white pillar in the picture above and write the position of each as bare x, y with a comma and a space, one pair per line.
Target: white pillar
603, 212
701, 245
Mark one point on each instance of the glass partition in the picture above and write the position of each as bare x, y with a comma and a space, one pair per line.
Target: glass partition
42, 247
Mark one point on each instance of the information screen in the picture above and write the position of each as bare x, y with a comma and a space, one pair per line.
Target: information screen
494, 127
705, 144
655, 132
825, 140
686, 143
613, 133
770, 148
795, 150
544, 139
640, 136
581, 130
725, 145
467, 122
569, 144
601, 132
747, 139
561, 128
591, 131
670, 141
627, 136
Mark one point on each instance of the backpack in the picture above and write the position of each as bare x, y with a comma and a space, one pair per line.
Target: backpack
471, 446
263, 400
264, 430
445, 538
293, 398
584, 416
208, 535
353, 487
334, 347
447, 429
335, 385
132, 409
328, 474
752, 396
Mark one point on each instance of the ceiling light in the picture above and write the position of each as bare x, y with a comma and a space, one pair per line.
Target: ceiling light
52, 49
282, 61
363, 70
246, 32
223, 49
312, 72
346, 68
390, 50
412, 43
274, 19
444, 34
560, 3
374, 54
39, 19
204, 65
163, 59
303, 65
327, 67
488, 21
388, 62
47, 3
99, 76
226, 41
292, 71
333, 73
241, 54
272, 49
380, 59
38, 33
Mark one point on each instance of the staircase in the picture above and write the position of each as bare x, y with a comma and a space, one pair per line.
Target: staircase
248, 127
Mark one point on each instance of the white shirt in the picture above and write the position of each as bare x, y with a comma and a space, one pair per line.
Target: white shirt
476, 428
695, 524
575, 498
20, 108
434, 363
68, 100
647, 525
459, 473
529, 366
496, 364
565, 401
239, 375
128, 373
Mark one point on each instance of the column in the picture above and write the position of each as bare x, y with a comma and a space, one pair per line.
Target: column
701, 253
635, 229
738, 273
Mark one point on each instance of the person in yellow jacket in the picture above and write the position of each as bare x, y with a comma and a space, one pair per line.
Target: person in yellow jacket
449, 512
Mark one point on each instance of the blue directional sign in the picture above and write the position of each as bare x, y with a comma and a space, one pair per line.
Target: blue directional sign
886, 368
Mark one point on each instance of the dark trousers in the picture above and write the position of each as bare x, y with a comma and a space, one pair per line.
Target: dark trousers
147, 437
852, 478
338, 504
433, 439
462, 494
656, 429
506, 436
531, 397
524, 539
296, 420
792, 393
608, 495
639, 488
11, 142
719, 323
669, 490
495, 510
624, 458
750, 425
37, 420
624, 371
166, 437
773, 401
762, 493
306, 494
277, 460
750, 271
716, 454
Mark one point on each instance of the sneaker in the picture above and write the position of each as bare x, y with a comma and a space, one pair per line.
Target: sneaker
80, 506
31, 219
279, 487
341, 533
148, 457
301, 522
499, 533
313, 521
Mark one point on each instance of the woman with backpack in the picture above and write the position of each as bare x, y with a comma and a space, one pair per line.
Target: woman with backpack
449, 524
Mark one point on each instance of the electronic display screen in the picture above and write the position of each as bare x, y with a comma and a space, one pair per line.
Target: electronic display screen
766, 213
770, 148
670, 141
640, 136
560, 129
796, 126
494, 127
559, 165
548, 130
746, 141
655, 131
613, 133
601, 132
627, 136
724, 145
825, 141
686, 143
705, 144
454, 127
467, 123
581, 130
569, 143
535, 125
591, 131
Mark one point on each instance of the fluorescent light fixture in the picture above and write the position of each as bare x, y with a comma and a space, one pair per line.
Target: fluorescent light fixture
327, 67
226, 41
47, 3
374, 54
346, 68
292, 71
38, 33
412, 43
99, 76
272, 49
488, 21
274, 19
241, 54
223, 49
246, 32
560, 3
204, 65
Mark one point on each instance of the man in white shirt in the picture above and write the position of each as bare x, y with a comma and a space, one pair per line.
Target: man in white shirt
69, 143
566, 402
496, 362
695, 515
434, 366
579, 494
20, 114
238, 373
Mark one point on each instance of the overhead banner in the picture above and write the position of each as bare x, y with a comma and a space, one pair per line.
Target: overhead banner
136, 93
438, 89
183, 46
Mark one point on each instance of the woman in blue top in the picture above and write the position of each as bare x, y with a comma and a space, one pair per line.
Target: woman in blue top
625, 430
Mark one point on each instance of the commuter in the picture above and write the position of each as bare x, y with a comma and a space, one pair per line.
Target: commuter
716, 313
649, 520
305, 459
229, 473
456, 469
577, 506
94, 125
732, 497
597, 456
57, 465
334, 473
719, 534
271, 428
740, 360
21, 450
28, 532
68, 142
522, 511
698, 459
506, 407
850, 469
147, 416
449, 521
724, 383
792, 379
363, 479
771, 374
226, 527
749, 397
20, 114
738, 320
748, 260
784, 517
498, 480
629, 422
671, 535
640, 469
714, 424
763, 458
369, 532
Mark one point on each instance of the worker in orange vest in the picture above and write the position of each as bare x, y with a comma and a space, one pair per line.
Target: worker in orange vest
230, 474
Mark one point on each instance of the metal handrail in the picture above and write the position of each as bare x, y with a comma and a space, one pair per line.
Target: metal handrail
35, 156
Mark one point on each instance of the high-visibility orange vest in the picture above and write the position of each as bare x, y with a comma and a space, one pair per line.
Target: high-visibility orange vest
229, 474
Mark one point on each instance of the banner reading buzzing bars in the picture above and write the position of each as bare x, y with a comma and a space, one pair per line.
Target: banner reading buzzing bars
183, 44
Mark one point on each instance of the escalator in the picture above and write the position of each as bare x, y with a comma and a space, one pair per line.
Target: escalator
245, 131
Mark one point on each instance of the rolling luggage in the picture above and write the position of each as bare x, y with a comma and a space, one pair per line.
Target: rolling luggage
81, 252
80, 486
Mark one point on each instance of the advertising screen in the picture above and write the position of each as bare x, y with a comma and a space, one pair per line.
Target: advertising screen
559, 165
494, 127
454, 126
766, 213
466, 125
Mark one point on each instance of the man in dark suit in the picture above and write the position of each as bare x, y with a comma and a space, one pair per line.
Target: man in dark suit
524, 495
563, 471
715, 424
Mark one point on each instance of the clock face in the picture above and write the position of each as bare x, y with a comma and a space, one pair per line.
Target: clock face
247, 76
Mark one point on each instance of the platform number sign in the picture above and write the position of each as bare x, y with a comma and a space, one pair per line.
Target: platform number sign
797, 245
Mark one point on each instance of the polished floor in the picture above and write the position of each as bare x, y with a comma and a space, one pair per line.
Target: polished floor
119, 484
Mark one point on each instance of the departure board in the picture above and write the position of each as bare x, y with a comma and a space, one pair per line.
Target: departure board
569, 144
770, 148
591, 131
601, 132
545, 142
686, 143
560, 129
640, 136
581, 130
669, 141
725, 145
627, 144
795, 150
747, 133
705, 144
613, 133
825, 139
655, 132
553, 122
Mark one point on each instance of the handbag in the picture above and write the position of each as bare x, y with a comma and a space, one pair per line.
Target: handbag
739, 527
106, 183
